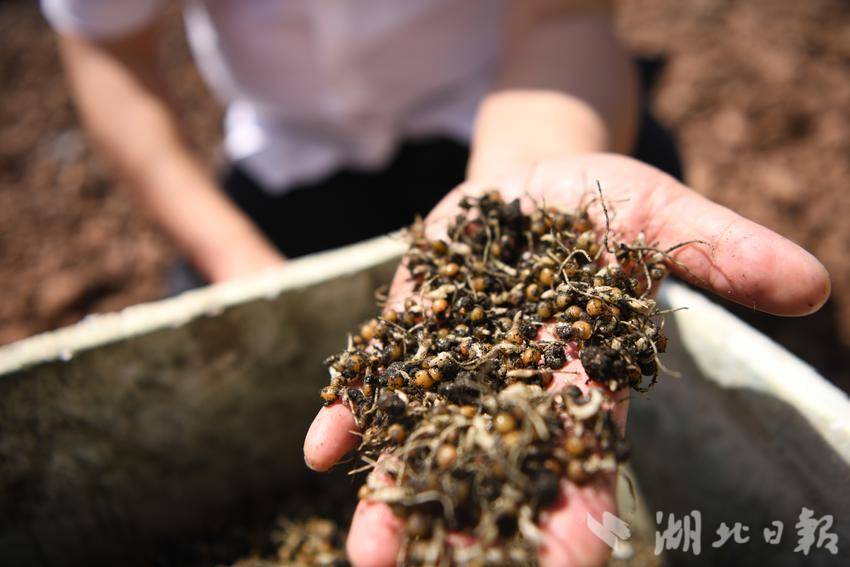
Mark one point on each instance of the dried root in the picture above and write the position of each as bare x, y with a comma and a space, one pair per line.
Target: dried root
454, 390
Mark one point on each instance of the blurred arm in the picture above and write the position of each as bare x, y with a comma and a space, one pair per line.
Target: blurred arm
121, 98
566, 86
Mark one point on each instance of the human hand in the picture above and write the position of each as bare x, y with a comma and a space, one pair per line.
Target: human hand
741, 260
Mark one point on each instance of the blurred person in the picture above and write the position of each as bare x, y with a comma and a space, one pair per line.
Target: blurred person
345, 119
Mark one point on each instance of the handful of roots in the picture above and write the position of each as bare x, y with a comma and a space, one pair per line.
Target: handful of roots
464, 398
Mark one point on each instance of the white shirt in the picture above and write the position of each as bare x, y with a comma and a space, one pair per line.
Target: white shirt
315, 85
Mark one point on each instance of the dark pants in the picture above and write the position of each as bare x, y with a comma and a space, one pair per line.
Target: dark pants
350, 205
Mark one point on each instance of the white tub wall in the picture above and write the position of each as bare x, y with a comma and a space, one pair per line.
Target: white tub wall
734, 355
155, 421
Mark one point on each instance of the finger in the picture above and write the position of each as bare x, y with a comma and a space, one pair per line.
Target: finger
742, 261
329, 437
568, 541
374, 537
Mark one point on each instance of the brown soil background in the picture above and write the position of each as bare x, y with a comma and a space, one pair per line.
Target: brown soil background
757, 92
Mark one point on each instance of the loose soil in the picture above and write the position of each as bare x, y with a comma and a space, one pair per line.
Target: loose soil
757, 93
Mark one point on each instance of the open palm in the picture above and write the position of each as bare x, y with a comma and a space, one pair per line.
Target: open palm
740, 260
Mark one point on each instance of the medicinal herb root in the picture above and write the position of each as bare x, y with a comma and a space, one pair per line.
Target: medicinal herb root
467, 399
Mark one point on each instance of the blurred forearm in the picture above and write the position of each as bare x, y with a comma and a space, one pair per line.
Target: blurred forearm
566, 86
121, 99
